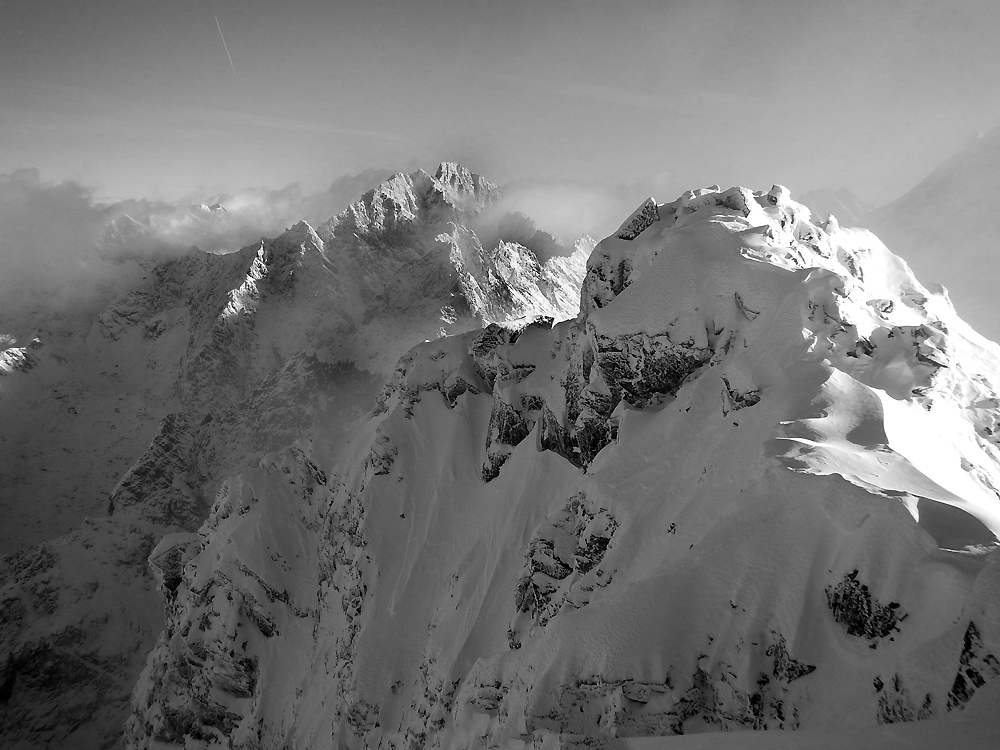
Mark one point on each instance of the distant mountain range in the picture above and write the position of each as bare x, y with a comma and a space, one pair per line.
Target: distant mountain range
421, 475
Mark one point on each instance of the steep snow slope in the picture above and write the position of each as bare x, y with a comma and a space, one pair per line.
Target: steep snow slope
752, 486
943, 214
205, 365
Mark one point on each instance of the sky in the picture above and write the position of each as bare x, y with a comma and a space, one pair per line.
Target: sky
290, 109
138, 99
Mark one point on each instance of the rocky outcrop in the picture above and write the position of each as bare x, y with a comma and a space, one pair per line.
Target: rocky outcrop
852, 605
895, 705
562, 552
694, 507
976, 667
207, 364
18, 358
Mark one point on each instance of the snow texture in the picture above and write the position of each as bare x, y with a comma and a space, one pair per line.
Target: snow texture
752, 486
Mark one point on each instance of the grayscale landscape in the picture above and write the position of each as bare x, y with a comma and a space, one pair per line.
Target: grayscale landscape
615, 375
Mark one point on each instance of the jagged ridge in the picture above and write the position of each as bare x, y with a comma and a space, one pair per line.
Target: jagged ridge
229, 357
694, 504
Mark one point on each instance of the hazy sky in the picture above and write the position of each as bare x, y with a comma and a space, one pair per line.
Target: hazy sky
138, 98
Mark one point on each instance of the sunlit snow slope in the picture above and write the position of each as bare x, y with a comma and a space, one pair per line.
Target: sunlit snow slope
752, 486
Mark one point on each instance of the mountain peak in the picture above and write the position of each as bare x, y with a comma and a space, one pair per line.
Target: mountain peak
301, 233
706, 503
463, 181
405, 201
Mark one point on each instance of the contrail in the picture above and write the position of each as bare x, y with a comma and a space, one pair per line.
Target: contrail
225, 46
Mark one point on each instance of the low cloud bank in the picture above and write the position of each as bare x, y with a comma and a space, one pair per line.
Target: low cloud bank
567, 210
60, 248
47, 237
62, 251
228, 221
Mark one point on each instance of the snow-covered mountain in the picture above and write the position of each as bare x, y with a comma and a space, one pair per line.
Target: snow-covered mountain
132, 415
752, 486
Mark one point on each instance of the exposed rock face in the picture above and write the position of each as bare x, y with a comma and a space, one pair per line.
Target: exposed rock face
695, 506
207, 364
977, 666
19, 358
851, 604
562, 552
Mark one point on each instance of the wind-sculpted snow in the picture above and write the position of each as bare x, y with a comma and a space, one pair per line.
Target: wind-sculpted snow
750, 487
204, 366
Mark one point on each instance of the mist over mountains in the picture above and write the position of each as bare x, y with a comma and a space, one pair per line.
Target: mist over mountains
411, 462
58, 240
124, 406
51, 229
59, 243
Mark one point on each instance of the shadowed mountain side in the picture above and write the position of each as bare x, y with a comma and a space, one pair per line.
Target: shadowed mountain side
206, 364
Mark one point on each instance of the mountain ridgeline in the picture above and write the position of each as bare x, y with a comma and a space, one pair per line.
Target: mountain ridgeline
752, 485
129, 417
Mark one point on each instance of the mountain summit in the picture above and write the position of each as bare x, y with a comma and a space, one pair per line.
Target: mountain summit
129, 417
751, 486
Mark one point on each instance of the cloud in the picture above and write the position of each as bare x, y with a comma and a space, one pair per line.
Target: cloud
227, 221
567, 209
64, 253
61, 250
224, 222
47, 235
